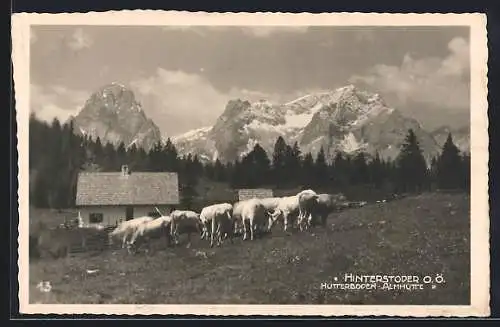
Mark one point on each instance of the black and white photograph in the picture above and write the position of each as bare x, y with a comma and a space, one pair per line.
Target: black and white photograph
277, 164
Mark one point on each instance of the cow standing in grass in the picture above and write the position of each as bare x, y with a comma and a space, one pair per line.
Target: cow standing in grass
219, 218
328, 203
253, 214
127, 228
154, 229
185, 222
269, 205
287, 207
237, 219
307, 203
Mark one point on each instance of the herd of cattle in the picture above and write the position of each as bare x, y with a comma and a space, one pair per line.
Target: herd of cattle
222, 221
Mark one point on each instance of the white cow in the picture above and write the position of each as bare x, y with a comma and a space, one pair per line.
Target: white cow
237, 220
184, 222
269, 204
219, 218
127, 228
155, 228
303, 195
328, 203
287, 207
253, 214
308, 199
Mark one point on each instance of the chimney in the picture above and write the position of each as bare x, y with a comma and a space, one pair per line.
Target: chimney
125, 170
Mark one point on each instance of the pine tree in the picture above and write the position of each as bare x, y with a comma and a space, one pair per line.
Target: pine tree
132, 157
208, 171
236, 177
376, 171
41, 161
359, 169
390, 174
433, 173
156, 157
342, 172
121, 155
255, 167
466, 172
219, 171
293, 165
320, 169
58, 169
449, 174
72, 155
170, 157
279, 162
197, 167
307, 170
109, 159
411, 165
96, 150
187, 181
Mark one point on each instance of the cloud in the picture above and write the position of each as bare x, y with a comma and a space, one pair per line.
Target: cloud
79, 40
440, 82
180, 101
56, 101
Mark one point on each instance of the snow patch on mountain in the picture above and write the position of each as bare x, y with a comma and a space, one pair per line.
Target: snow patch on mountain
191, 135
350, 144
299, 121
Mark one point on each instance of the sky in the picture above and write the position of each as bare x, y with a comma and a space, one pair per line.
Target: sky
184, 75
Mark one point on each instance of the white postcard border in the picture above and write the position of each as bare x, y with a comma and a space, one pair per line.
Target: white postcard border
479, 240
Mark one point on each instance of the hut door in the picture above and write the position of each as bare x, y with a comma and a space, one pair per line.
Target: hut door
129, 213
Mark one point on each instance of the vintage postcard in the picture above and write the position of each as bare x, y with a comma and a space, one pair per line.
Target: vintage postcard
252, 163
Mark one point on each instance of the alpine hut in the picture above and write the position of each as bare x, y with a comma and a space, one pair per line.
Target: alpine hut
107, 198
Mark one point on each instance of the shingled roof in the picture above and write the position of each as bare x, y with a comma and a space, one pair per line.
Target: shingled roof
245, 194
137, 188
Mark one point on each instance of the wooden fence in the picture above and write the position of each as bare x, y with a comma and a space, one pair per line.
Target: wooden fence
61, 242
90, 240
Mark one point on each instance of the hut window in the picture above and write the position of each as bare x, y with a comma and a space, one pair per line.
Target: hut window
95, 218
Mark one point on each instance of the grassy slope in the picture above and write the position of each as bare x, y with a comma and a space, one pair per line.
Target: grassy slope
424, 234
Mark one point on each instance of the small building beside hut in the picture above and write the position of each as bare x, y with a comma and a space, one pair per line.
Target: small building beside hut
251, 193
108, 198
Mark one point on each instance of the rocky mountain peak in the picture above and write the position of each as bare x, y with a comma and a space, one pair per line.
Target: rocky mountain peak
113, 114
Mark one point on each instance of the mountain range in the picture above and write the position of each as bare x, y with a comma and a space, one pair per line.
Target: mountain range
346, 119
